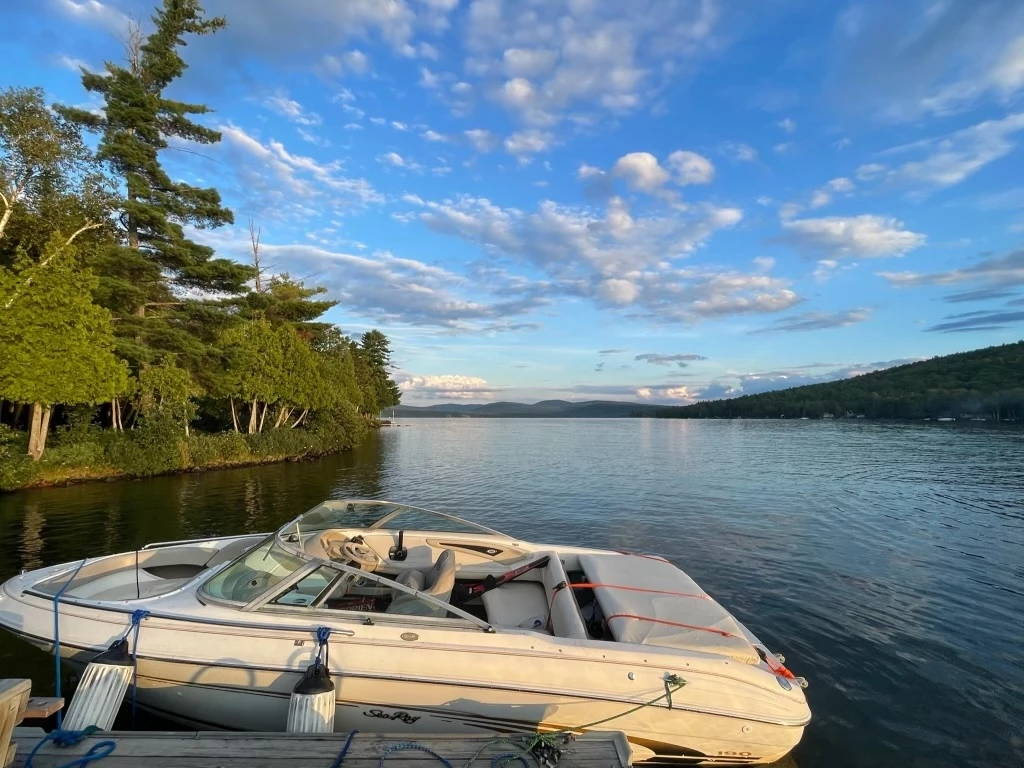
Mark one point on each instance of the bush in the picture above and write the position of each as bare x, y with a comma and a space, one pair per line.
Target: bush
76, 454
16, 468
157, 445
220, 448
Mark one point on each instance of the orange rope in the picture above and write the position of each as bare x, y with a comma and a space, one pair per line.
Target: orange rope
587, 585
721, 632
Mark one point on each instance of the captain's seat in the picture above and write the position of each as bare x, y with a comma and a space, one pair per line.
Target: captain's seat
438, 582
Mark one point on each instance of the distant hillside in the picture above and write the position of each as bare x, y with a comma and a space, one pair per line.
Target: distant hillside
546, 409
986, 383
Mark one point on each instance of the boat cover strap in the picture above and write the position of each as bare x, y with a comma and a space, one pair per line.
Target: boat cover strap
662, 606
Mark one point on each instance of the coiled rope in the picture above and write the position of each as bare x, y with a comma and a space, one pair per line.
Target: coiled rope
60, 738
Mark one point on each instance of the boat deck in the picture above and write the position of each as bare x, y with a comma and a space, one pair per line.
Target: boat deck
217, 749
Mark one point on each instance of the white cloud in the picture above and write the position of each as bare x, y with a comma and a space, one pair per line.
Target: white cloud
841, 184
528, 62
690, 168
864, 236
614, 258
289, 108
870, 171
278, 181
355, 62
574, 58
94, 12
482, 141
783, 147
764, 263
640, 170
75, 65
1001, 271
399, 126
395, 160
902, 64
431, 135
952, 158
787, 124
820, 198
817, 321
522, 144
743, 153
446, 387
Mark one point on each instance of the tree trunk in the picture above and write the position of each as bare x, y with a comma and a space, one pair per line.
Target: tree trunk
263, 417
234, 416
301, 417
282, 416
115, 415
40, 425
252, 416
186, 429
34, 421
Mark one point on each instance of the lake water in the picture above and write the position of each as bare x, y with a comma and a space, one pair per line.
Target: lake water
886, 561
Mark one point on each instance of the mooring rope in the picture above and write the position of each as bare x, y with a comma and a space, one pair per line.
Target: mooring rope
56, 637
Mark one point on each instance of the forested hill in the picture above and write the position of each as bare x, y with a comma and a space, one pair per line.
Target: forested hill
986, 383
546, 409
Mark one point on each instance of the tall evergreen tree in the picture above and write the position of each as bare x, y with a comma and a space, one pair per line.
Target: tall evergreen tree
144, 278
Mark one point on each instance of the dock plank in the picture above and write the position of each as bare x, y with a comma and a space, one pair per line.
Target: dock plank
277, 750
41, 707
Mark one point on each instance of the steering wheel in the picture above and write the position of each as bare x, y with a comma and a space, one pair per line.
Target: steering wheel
360, 554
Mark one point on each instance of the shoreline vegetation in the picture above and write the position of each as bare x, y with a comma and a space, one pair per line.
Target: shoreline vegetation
981, 385
128, 349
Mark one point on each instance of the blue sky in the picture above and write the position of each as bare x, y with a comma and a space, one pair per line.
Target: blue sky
657, 199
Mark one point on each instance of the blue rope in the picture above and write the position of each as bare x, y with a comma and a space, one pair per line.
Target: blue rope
322, 636
409, 745
136, 625
56, 637
344, 751
97, 751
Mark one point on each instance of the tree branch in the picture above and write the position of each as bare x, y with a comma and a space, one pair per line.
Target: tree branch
52, 256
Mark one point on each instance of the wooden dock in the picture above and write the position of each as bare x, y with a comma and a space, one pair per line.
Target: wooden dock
216, 749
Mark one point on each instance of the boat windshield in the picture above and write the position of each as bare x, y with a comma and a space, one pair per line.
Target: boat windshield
254, 573
376, 515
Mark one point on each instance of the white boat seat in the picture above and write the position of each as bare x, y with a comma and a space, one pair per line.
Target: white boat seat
564, 617
675, 612
438, 582
517, 604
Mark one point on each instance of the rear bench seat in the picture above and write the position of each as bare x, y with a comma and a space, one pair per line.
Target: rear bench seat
519, 602
674, 620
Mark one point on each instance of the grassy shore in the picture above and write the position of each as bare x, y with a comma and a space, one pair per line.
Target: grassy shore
157, 449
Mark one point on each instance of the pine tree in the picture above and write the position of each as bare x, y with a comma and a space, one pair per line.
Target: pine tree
144, 278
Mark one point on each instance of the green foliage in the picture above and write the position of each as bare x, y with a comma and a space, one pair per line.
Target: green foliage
98, 320
16, 468
167, 391
985, 383
58, 345
218, 449
143, 274
154, 448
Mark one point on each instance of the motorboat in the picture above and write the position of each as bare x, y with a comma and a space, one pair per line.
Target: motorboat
436, 625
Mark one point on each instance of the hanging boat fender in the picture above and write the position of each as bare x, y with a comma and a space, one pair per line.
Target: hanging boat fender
101, 689
311, 706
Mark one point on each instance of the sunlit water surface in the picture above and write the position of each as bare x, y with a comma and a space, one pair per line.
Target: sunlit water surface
886, 561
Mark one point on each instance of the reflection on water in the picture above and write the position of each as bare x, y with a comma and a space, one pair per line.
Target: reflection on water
886, 561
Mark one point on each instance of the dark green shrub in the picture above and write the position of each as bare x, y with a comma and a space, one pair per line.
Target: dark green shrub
156, 445
16, 468
221, 448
